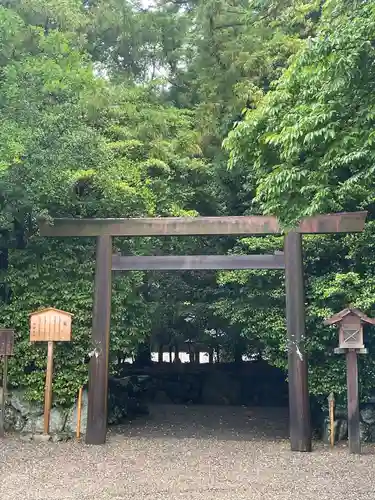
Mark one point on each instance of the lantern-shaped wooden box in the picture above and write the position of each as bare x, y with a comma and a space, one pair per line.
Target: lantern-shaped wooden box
50, 325
351, 323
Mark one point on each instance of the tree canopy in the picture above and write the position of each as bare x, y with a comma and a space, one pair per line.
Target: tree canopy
313, 132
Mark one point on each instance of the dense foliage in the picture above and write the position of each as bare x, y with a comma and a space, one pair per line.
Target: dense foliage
307, 148
113, 109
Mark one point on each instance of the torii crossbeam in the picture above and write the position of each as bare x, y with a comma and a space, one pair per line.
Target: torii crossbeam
105, 229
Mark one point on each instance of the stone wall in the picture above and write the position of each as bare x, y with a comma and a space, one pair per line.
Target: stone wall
367, 424
248, 383
125, 402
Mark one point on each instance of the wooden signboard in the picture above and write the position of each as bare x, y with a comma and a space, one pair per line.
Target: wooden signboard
6, 342
6, 349
50, 325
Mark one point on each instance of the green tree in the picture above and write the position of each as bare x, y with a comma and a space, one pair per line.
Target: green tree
307, 149
308, 145
111, 109
74, 144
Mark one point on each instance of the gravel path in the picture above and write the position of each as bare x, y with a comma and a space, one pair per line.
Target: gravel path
197, 453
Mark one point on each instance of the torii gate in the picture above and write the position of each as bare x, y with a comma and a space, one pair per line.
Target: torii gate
291, 260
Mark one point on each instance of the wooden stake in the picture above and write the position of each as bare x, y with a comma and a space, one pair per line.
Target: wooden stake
79, 410
3, 396
353, 402
331, 401
48, 388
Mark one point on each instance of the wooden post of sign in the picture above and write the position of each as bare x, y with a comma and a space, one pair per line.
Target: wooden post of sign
6, 349
3, 396
48, 388
353, 402
5, 389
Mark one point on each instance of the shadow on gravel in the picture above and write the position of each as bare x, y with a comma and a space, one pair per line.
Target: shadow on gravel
234, 423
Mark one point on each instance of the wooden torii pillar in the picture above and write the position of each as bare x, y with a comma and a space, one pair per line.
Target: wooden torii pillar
105, 229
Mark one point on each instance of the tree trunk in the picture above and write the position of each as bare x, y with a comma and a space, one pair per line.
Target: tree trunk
191, 353
238, 353
160, 353
217, 350
176, 353
211, 356
143, 356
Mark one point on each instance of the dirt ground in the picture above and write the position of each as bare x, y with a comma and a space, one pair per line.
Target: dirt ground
188, 453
